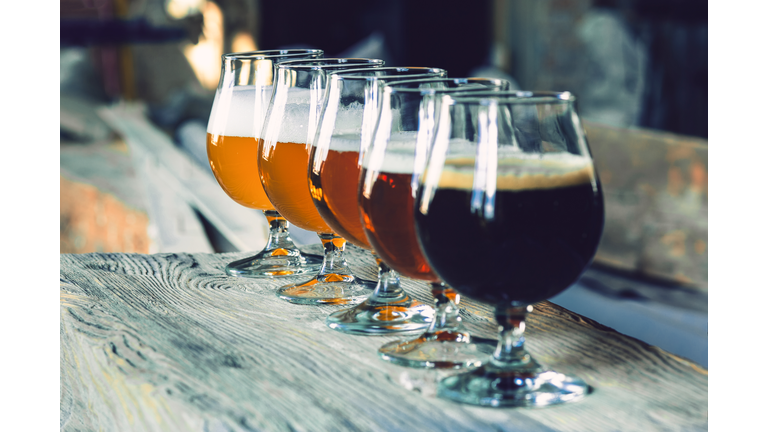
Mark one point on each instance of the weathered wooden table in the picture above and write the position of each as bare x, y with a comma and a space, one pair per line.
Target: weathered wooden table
168, 342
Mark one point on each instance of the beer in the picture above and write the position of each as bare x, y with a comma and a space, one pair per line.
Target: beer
388, 216
232, 148
233, 162
290, 124
524, 242
386, 205
284, 176
334, 188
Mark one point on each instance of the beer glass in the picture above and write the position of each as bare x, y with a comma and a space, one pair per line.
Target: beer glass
386, 197
510, 175
347, 122
283, 155
239, 106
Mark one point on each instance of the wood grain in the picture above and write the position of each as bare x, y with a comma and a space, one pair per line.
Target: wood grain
168, 342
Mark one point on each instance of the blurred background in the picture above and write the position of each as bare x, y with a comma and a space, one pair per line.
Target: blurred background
631, 62
138, 79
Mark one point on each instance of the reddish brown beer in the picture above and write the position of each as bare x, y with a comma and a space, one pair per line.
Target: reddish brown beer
388, 223
334, 191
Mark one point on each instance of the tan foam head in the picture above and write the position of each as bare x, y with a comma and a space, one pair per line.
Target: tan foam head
522, 172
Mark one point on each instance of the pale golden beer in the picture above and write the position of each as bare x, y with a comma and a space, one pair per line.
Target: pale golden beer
283, 159
234, 162
232, 143
236, 116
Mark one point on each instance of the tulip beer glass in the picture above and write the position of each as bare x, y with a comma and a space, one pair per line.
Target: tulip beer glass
347, 122
283, 155
386, 196
239, 106
511, 175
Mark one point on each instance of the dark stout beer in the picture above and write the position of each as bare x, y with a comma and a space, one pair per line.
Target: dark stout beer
539, 232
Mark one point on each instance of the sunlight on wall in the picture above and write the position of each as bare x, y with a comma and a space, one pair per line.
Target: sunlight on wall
179, 9
243, 42
205, 56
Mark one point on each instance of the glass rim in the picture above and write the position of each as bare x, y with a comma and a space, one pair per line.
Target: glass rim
331, 63
270, 54
396, 86
343, 74
517, 97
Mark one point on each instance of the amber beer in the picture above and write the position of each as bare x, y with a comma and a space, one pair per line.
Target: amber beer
388, 215
284, 176
527, 243
386, 207
333, 187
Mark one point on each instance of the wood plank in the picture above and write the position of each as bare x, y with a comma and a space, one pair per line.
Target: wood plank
114, 198
168, 342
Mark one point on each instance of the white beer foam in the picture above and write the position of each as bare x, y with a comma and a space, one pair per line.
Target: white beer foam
347, 124
293, 127
296, 116
347, 128
349, 119
236, 110
399, 156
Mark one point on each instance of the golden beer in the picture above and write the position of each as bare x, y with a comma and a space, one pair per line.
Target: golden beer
234, 162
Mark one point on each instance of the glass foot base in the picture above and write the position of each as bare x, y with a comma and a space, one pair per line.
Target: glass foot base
328, 289
377, 318
275, 263
438, 350
493, 387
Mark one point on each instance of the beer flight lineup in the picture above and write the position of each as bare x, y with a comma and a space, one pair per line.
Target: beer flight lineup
459, 182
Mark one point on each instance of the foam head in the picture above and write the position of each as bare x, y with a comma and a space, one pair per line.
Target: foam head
239, 111
516, 170
344, 124
295, 108
398, 157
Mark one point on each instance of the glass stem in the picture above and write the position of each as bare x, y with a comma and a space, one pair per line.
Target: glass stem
333, 257
510, 352
446, 309
388, 289
279, 236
